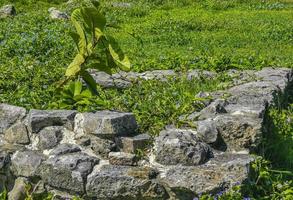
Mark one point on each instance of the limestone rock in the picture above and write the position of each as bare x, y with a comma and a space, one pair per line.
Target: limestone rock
123, 182
26, 163
9, 115
220, 173
105, 124
7, 11
49, 137
239, 132
19, 190
121, 158
102, 147
39, 119
207, 131
57, 14
65, 149
131, 144
68, 171
17, 133
4, 161
180, 146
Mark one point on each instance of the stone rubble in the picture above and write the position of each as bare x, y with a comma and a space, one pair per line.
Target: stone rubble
7, 11
57, 14
97, 155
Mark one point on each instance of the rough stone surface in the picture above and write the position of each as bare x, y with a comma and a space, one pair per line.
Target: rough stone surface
216, 175
7, 11
105, 124
26, 163
125, 80
10, 115
49, 137
68, 171
19, 190
121, 158
57, 14
65, 149
180, 146
79, 152
102, 147
131, 144
207, 131
39, 119
123, 182
17, 133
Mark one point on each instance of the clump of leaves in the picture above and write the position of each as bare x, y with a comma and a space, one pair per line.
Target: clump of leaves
96, 49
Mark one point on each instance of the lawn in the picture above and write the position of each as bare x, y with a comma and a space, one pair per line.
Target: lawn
214, 35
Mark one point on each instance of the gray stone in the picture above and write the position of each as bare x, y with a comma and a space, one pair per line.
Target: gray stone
19, 190
9, 115
68, 171
121, 5
39, 119
240, 132
220, 173
197, 74
121, 158
7, 11
123, 182
65, 149
103, 79
180, 146
4, 161
105, 124
132, 144
26, 163
49, 137
57, 14
17, 133
102, 147
207, 131
215, 108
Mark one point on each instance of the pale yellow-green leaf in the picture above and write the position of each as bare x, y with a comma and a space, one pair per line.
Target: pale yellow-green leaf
75, 67
122, 61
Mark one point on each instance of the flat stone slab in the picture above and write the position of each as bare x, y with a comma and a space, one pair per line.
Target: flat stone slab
221, 172
124, 182
105, 124
39, 119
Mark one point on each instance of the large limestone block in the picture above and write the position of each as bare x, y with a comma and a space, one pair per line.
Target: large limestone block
9, 115
105, 124
39, 119
175, 146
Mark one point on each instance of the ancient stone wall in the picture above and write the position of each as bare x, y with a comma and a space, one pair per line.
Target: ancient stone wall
93, 154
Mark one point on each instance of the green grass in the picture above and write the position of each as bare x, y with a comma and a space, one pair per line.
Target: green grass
161, 34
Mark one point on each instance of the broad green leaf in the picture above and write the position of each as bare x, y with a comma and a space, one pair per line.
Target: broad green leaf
120, 59
77, 20
77, 88
75, 67
90, 81
75, 38
93, 20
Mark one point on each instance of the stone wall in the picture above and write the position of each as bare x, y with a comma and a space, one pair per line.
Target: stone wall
93, 154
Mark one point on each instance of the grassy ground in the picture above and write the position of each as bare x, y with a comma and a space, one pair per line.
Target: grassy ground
160, 34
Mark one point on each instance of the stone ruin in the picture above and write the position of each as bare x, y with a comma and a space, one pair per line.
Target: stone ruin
93, 155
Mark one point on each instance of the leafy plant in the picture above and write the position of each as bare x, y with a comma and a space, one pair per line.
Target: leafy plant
90, 25
75, 96
3, 195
